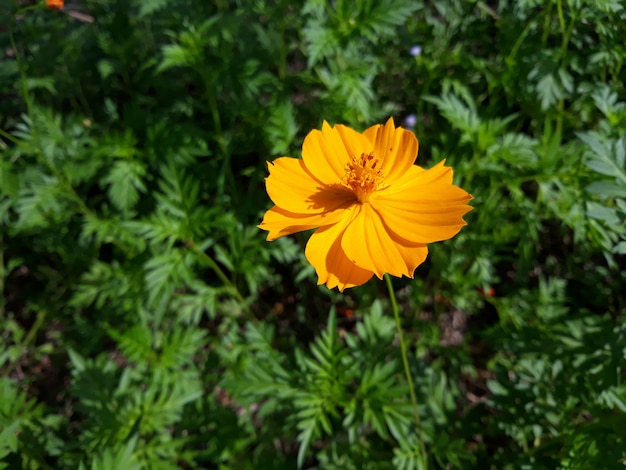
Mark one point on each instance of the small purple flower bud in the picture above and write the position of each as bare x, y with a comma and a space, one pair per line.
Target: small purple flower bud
410, 121
416, 51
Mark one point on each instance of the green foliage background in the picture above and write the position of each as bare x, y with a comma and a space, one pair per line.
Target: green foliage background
146, 323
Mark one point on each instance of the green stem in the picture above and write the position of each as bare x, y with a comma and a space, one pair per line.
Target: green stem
421, 130
518, 43
61, 178
225, 171
559, 9
2, 276
8, 137
22, 75
547, 20
32, 333
407, 370
35, 132
282, 59
566, 33
225, 280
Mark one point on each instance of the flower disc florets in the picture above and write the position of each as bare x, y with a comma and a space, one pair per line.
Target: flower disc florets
363, 175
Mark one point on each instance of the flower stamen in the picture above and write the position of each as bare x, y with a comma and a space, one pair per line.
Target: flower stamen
363, 175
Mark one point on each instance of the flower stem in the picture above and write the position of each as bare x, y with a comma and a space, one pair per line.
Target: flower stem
407, 370
209, 261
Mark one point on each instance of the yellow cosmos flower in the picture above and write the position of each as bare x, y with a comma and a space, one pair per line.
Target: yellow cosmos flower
374, 210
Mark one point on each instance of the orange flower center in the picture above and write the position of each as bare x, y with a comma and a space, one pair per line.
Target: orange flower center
363, 174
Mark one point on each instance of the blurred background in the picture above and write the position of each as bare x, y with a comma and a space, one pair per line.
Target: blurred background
146, 323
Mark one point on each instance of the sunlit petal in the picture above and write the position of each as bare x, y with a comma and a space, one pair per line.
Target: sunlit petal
326, 152
428, 210
417, 175
397, 148
279, 222
293, 188
370, 246
332, 266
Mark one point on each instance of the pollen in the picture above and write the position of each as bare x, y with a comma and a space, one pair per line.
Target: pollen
363, 175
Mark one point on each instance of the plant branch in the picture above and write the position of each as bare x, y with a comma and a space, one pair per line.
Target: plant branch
407, 370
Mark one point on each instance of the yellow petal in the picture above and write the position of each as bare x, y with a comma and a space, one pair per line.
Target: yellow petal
279, 222
355, 142
416, 175
426, 210
333, 267
413, 255
289, 179
293, 188
327, 152
397, 148
370, 246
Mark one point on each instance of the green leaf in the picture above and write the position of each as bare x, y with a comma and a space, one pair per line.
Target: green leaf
461, 115
606, 190
549, 90
281, 128
496, 388
105, 68
381, 18
620, 248
320, 41
147, 7
117, 459
605, 156
46, 83
167, 272
125, 180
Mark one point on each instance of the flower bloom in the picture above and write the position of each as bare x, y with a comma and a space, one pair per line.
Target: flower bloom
416, 51
55, 4
410, 120
373, 209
